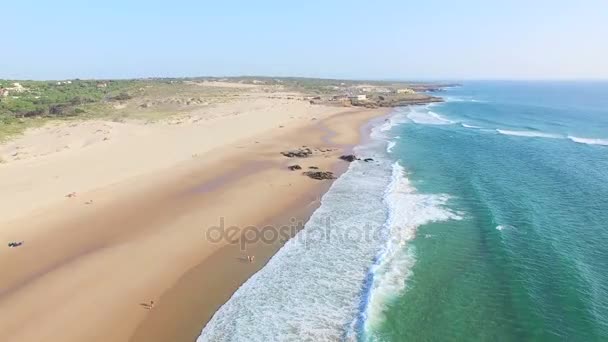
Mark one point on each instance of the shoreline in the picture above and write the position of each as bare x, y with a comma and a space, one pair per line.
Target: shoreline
96, 263
190, 292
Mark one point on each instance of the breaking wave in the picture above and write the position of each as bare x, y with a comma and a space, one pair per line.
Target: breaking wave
530, 134
408, 210
427, 117
589, 141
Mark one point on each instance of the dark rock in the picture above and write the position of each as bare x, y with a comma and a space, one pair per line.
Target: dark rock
313, 167
367, 160
15, 244
319, 175
349, 158
300, 153
294, 167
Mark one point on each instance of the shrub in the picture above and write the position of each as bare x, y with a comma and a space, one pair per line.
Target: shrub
121, 97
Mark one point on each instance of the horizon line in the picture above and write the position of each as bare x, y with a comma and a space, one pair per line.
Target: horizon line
329, 78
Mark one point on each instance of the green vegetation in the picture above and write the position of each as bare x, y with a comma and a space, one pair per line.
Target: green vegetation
32, 103
57, 99
28, 103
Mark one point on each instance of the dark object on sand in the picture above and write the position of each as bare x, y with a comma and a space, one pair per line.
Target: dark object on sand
319, 175
15, 244
294, 167
299, 153
313, 167
367, 160
349, 158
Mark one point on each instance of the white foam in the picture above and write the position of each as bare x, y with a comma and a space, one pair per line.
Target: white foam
469, 126
389, 146
461, 99
502, 227
408, 210
427, 117
589, 141
530, 134
397, 118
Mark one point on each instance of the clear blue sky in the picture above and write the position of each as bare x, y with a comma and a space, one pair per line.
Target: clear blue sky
449, 39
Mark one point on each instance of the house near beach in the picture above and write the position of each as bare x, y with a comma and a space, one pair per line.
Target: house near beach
406, 91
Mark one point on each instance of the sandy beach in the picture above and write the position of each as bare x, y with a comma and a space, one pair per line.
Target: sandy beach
114, 215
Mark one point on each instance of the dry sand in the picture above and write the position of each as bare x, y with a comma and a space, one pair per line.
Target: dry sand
145, 197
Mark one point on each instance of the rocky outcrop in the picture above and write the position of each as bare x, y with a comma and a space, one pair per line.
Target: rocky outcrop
319, 175
349, 158
396, 100
299, 153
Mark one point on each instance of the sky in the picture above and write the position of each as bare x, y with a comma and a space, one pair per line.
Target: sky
382, 39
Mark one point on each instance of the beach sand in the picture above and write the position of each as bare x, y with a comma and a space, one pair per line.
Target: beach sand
145, 199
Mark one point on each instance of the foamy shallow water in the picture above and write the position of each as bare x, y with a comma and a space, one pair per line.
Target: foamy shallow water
339, 272
310, 289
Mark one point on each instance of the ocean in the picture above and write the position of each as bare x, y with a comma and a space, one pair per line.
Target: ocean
481, 218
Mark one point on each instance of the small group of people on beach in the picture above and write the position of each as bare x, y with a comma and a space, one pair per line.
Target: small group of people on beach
251, 258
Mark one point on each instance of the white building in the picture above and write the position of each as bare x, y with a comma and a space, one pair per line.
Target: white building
360, 97
405, 91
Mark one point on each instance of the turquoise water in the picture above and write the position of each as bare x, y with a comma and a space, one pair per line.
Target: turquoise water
484, 218
527, 166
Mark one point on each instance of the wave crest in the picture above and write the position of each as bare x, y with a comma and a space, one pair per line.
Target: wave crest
428, 117
589, 141
530, 134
